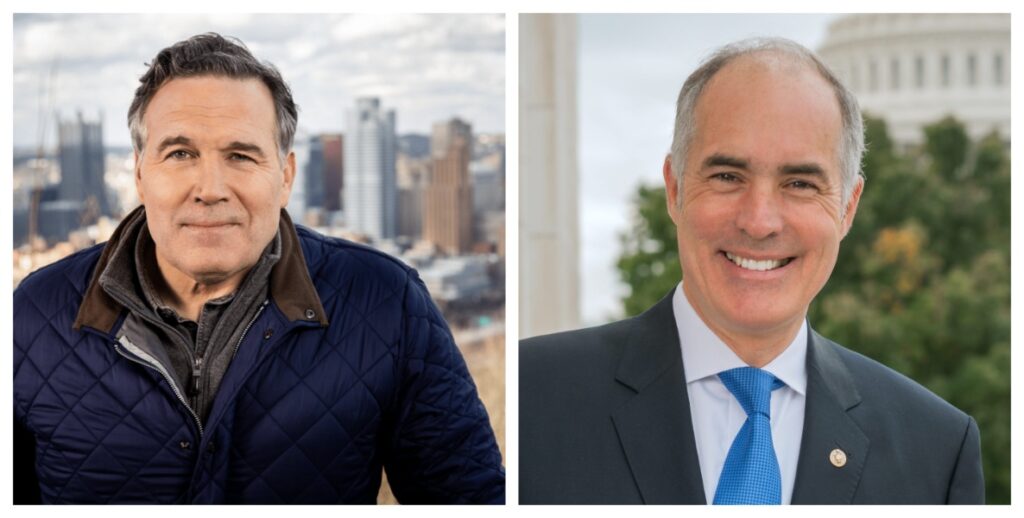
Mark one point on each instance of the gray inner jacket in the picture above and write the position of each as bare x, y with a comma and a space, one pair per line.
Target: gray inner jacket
193, 355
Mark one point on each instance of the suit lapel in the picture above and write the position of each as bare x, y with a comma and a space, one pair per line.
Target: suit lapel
654, 426
827, 427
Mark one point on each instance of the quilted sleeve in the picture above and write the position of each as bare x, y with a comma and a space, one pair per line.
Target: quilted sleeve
27, 383
28, 326
443, 448
26, 485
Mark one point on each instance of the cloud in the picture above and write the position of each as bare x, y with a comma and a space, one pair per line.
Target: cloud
429, 67
355, 28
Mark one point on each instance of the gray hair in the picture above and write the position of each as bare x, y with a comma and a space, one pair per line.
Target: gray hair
211, 54
851, 144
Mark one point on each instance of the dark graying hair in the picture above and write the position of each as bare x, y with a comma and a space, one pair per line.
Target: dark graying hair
851, 143
211, 54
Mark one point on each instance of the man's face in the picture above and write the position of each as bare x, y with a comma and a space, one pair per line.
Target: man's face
761, 214
210, 175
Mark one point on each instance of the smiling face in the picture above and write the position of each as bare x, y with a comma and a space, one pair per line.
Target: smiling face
210, 177
760, 215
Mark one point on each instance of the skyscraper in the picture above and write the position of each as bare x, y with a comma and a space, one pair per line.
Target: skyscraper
297, 198
412, 174
314, 177
324, 172
448, 201
82, 165
369, 194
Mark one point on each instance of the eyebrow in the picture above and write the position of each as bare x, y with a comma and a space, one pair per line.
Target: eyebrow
245, 146
803, 169
721, 160
173, 141
181, 140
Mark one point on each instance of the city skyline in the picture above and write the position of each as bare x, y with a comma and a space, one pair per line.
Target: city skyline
65, 228
428, 67
310, 189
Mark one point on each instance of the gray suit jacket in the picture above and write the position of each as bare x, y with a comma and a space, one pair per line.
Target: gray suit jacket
604, 418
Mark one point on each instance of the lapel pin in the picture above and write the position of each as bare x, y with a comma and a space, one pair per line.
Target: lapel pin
837, 457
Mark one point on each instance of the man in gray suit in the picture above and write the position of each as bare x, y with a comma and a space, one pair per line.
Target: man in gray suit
721, 392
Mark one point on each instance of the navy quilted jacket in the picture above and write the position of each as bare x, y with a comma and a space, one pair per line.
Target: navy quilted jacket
347, 369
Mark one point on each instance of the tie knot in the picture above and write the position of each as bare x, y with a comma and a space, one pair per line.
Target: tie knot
752, 388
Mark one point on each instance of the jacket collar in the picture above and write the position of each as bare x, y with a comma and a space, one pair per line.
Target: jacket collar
828, 426
291, 287
654, 426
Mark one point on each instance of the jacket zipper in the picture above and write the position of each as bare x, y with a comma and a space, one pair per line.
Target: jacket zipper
139, 356
197, 364
197, 369
246, 330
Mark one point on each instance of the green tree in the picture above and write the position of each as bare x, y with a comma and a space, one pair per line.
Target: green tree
922, 283
649, 263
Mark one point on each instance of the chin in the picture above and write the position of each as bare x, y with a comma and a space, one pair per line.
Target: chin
758, 316
211, 273
755, 327
209, 278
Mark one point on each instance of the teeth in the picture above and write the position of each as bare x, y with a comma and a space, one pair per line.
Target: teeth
759, 266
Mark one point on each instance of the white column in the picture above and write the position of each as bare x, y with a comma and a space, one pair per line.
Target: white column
548, 187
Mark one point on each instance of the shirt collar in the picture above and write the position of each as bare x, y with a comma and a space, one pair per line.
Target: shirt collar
705, 354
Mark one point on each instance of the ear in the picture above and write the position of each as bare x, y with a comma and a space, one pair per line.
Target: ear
289, 178
851, 205
671, 189
138, 179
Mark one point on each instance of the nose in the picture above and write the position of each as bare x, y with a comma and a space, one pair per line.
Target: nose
211, 186
760, 213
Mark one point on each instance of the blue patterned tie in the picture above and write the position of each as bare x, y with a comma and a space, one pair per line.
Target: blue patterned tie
751, 471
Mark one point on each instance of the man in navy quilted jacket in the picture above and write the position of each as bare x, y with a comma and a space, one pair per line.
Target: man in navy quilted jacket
212, 352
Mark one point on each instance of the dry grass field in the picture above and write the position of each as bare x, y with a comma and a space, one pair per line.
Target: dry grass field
485, 357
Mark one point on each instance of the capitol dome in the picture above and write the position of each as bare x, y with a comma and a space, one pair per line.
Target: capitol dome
914, 69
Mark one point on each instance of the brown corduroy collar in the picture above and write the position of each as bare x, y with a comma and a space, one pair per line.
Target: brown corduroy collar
291, 288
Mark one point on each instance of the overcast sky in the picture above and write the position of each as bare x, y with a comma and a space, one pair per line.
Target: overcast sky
427, 67
630, 70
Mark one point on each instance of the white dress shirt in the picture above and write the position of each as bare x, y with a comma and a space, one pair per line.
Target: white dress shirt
718, 417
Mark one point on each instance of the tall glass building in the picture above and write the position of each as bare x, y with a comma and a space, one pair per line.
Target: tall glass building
369, 173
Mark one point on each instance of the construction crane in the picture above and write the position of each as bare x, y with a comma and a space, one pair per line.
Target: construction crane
47, 92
